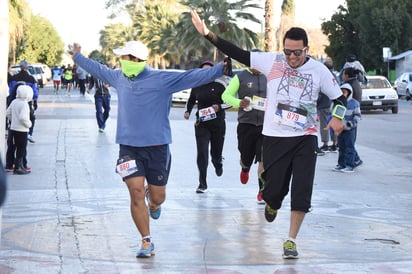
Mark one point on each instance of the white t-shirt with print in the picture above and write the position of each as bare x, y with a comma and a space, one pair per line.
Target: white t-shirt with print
292, 94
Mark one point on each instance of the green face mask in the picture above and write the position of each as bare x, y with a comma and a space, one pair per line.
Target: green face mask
132, 69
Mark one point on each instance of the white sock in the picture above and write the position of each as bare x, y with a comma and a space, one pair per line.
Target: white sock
291, 239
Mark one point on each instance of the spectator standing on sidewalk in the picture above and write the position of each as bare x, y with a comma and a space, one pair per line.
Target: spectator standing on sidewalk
143, 126
18, 114
21, 78
101, 101
346, 140
294, 81
324, 106
210, 125
250, 87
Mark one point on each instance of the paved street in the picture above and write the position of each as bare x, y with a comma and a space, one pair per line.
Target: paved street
71, 214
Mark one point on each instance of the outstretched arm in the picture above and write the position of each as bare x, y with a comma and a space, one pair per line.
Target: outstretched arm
226, 47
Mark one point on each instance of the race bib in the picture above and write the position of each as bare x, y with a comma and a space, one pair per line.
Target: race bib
290, 116
206, 114
126, 168
259, 103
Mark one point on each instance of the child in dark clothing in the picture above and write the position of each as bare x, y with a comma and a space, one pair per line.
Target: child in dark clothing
346, 140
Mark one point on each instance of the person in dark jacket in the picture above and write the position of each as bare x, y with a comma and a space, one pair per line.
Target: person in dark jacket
210, 126
324, 107
101, 101
250, 87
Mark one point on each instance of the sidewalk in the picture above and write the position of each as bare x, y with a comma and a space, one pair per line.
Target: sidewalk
71, 214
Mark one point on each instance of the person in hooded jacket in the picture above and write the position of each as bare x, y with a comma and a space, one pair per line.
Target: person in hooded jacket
21, 78
347, 160
19, 114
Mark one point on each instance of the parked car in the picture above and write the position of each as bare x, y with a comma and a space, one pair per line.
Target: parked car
403, 84
38, 72
379, 94
181, 96
46, 71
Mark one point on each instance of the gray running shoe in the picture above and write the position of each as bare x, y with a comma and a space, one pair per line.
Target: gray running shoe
289, 250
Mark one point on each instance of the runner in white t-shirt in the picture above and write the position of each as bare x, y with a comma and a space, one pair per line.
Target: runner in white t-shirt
294, 81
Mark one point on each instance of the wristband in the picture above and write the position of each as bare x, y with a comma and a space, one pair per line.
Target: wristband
339, 112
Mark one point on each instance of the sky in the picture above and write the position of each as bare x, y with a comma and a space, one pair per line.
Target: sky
81, 20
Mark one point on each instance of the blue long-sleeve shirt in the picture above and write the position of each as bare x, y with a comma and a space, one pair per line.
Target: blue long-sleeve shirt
144, 102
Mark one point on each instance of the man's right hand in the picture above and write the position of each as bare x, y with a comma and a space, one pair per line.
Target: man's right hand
199, 23
75, 48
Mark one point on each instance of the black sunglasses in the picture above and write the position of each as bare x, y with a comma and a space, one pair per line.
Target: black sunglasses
296, 52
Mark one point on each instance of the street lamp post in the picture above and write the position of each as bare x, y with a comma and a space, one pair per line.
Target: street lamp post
387, 53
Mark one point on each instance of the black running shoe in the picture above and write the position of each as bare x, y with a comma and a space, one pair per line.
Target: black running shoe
270, 213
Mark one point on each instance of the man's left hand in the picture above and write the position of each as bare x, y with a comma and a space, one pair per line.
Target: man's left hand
336, 124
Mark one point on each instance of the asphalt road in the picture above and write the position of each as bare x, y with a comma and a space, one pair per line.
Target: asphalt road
71, 214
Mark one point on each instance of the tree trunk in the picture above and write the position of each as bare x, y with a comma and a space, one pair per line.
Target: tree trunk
270, 34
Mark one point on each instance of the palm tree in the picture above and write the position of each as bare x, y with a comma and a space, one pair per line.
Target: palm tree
270, 34
223, 18
154, 24
114, 36
287, 19
19, 21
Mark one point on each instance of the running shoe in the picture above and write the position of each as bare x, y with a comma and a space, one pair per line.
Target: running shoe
319, 152
9, 169
358, 163
244, 176
333, 148
146, 250
154, 210
30, 138
270, 213
259, 198
324, 148
348, 169
201, 190
338, 168
219, 171
289, 250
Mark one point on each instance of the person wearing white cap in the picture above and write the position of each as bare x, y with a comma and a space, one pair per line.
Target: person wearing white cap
347, 160
143, 126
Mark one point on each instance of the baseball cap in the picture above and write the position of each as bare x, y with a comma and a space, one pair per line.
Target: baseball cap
351, 57
135, 48
24, 64
348, 87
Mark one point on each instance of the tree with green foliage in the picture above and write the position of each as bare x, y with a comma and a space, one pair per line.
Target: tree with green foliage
223, 18
365, 27
168, 31
32, 38
42, 42
287, 20
19, 20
